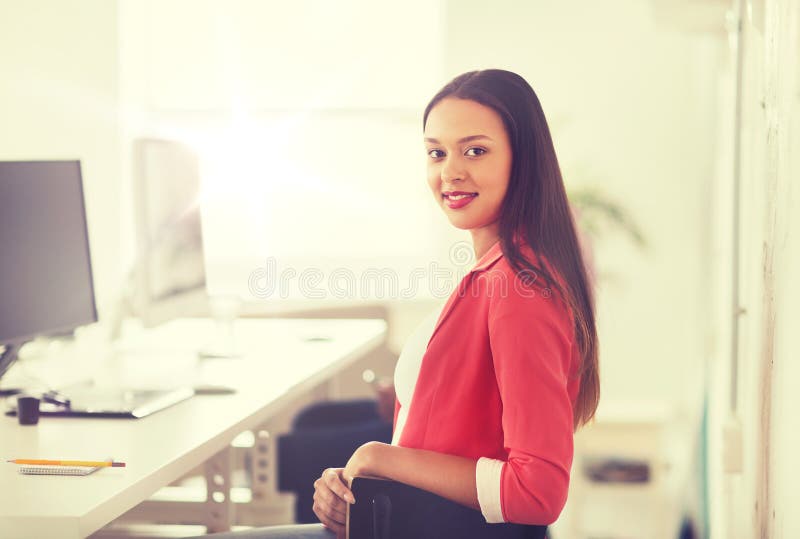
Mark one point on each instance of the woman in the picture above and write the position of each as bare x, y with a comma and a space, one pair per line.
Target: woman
489, 395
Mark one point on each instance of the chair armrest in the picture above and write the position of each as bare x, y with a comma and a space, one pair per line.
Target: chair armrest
387, 509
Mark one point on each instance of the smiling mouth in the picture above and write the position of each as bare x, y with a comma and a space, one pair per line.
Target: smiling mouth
459, 196
459, 200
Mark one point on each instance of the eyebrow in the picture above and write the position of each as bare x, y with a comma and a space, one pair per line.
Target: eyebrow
462, 140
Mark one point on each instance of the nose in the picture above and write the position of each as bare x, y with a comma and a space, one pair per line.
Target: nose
452, 171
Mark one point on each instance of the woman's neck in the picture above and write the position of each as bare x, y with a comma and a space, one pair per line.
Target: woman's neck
483, 239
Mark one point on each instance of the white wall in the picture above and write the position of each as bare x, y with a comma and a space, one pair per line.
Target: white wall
752, 491
58, 100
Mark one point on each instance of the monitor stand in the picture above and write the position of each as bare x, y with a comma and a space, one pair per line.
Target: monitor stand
8, 357
222, 344
224, 311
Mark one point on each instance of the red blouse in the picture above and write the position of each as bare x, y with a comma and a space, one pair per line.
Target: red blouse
497, 383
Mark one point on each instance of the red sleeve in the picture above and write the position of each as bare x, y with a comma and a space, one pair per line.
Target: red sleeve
531, 342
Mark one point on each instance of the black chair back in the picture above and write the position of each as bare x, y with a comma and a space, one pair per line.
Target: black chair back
391, 510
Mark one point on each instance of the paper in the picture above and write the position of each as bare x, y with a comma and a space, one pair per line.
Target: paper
56, 470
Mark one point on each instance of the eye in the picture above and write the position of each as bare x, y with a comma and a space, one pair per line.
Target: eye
433, 153
480, 150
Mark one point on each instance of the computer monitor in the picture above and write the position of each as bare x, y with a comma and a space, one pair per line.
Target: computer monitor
170, 276
46, 284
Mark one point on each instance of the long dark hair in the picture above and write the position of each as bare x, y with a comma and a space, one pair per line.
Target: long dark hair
536, 209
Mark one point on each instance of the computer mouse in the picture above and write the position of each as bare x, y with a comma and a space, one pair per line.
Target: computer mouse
213, 389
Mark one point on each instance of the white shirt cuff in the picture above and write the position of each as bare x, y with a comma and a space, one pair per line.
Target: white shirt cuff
487, 477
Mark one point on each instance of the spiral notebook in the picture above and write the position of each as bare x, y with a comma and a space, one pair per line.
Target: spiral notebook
56, 470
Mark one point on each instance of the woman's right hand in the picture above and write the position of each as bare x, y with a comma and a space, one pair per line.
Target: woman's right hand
331, 496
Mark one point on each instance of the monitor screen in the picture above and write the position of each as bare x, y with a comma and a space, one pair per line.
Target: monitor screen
45, 267
171, 277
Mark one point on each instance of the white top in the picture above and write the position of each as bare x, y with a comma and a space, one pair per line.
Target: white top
488, 471
407, 369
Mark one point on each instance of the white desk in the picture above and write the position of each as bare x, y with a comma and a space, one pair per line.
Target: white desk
279, 364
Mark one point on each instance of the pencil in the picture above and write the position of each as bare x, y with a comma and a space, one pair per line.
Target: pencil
87, 463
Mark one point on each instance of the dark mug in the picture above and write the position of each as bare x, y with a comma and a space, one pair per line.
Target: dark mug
28, 410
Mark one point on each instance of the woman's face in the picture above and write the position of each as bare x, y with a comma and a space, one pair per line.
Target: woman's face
469, 153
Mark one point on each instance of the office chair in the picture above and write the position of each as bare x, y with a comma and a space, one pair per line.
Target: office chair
324, 435
390, 510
